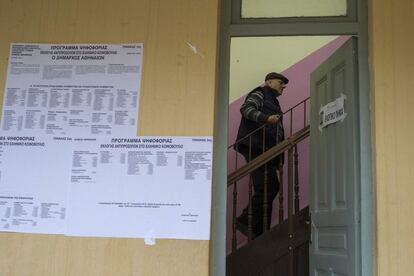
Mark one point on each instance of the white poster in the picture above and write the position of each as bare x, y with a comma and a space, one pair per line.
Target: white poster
72, 89
146, 187
332, 112
33, 183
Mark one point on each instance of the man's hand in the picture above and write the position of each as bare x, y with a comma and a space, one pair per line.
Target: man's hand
273, 119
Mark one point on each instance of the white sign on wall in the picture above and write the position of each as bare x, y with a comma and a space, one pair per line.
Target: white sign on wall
72, 89
158, 187
33, 183
332, 112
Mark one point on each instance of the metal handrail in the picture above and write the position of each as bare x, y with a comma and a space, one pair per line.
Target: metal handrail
268, 155
261, 161
259, 128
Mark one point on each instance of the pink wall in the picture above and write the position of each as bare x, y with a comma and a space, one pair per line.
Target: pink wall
298, 90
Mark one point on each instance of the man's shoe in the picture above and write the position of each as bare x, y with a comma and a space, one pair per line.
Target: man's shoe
243, 228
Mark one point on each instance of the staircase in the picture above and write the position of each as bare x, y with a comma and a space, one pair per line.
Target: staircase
274, 252
282, 249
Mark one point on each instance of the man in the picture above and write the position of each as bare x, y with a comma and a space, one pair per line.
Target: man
261, 107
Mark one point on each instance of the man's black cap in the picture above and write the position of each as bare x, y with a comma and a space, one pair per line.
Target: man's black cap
274, 75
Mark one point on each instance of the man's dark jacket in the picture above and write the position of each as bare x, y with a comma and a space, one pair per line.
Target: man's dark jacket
274, 133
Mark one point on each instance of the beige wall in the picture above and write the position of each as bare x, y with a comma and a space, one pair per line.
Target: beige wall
177, 99
392, 80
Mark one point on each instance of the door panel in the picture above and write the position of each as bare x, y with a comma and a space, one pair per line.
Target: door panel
334, 200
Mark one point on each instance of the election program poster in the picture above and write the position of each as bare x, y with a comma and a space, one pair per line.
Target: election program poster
34, 178
147, 187
135, 187
72, 89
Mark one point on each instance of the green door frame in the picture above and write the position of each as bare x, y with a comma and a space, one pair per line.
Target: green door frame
232, 25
